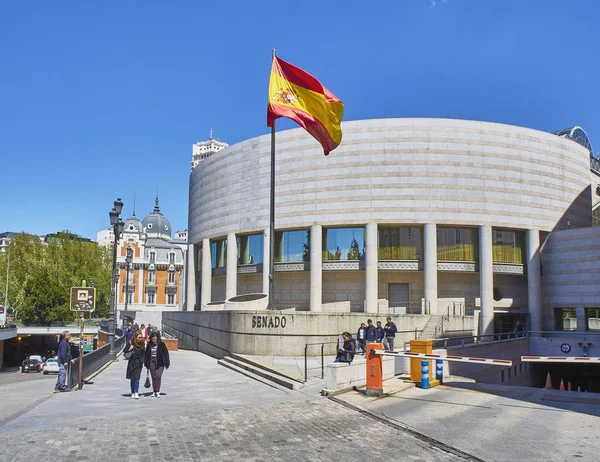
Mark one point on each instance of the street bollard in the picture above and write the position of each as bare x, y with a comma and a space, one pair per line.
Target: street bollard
425, 374
439, 370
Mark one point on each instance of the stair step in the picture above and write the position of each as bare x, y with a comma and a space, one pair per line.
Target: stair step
249, 360
263, 372
258, 378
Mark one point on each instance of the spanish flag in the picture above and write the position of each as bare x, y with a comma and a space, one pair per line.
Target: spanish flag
297, 95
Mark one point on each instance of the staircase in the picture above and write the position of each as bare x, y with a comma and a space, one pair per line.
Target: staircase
260, 373
429, 331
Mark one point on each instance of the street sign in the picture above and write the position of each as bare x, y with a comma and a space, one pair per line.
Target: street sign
87, 344
83, 299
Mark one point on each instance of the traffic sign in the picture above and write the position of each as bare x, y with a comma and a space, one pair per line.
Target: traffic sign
87, 344
83, 299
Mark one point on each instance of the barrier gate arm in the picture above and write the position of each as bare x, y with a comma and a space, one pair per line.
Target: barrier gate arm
458, 359
560, 359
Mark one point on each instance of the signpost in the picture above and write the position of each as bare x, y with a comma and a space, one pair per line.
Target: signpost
87, 343
83, 299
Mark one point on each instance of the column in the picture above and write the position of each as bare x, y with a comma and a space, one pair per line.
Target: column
430, 267
371, 259
141, 285
206, 286
231, 273
486, 280
534, 279
316, 267
266, 261
189, 283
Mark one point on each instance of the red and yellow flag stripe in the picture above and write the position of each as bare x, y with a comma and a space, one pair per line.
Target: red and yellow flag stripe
297, 95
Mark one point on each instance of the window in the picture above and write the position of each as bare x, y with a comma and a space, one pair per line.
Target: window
170, 299
508, 246
565, 318
171, 277
151, 275
250, 249
218, 252
292, 246
172, 257
404, 243
343, 243
151, 298
596, 216
457, 244
130, 297
592, 316
152, 257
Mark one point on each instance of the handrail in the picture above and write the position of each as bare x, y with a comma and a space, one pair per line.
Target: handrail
476, 339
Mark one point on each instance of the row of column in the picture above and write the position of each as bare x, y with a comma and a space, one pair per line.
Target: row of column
486, 271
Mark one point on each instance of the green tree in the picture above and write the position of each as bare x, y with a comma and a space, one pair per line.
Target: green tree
354, 251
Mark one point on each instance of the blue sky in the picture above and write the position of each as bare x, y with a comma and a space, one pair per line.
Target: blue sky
105, 99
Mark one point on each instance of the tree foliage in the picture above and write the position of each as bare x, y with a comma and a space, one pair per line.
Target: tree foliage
41, 275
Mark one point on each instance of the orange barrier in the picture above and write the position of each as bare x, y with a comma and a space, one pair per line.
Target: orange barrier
374, 370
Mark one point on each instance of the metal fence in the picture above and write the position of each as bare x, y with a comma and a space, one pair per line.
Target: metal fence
92, 362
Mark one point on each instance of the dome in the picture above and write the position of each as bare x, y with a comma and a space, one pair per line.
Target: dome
133, 225
156, 223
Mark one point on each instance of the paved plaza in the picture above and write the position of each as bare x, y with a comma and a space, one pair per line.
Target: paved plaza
207, 412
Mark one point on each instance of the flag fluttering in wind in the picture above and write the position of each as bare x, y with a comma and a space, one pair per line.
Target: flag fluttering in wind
297, 95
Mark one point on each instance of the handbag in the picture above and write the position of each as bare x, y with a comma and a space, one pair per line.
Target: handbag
147, 382
127, 355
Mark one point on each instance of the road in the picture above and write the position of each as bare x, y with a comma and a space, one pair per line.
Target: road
24, 391
207, 412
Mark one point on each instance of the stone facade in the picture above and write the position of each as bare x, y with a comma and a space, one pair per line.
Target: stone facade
427, 174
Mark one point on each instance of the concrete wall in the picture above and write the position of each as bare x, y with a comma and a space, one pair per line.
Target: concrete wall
220, 333
345, 286
340, 376
539, 346
507, 349
571, 270
249, 284
292, 290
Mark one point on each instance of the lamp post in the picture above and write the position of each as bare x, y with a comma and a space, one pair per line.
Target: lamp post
5, 315
118, 226
128, 260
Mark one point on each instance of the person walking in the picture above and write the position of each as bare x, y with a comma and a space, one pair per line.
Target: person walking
390, 334
380, 332
135, 364
371, 332
157, 360
64, 359
361, 336
346, 353
128, 336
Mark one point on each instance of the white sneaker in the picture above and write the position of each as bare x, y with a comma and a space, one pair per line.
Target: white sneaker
158, 394
133, 396
137, 396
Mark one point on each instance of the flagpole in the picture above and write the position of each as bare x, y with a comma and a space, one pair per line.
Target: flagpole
272, 220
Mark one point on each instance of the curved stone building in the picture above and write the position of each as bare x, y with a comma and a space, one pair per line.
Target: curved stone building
406, 216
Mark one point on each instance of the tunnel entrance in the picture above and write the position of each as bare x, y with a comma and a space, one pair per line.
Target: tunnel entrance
585, 376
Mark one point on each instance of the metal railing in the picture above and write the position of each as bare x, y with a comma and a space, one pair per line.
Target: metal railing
450, 342
322, 357
92, 362
565, 333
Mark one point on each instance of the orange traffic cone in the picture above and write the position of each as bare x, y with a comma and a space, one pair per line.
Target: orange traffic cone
569, 387
562, 385
548, 382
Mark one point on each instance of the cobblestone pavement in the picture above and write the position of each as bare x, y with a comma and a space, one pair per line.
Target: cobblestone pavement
207, 413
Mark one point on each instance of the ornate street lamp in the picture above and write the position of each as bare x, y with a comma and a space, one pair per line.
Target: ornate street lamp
117, 225
128, 260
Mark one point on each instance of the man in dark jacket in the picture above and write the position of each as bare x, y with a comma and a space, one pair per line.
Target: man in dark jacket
128, 336
390, 333
380, 332
64, 358
371, 332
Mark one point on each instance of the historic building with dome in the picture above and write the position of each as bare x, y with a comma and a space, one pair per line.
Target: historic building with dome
156, 273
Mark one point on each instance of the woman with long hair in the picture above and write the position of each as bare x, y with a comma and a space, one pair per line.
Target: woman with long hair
135, 364
157, 360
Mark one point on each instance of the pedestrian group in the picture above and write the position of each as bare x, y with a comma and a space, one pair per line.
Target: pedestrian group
367, 334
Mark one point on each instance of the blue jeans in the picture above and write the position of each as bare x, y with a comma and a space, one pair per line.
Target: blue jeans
362, 344
135, 385
62, 375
